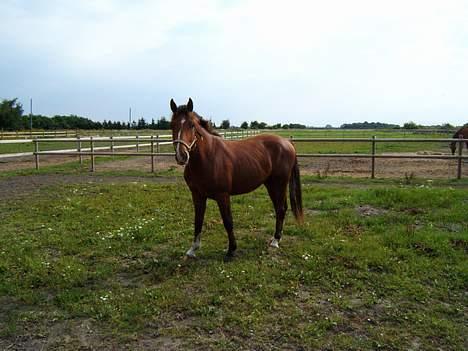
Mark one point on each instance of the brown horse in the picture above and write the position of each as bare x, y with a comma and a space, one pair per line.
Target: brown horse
462, 132
216, 169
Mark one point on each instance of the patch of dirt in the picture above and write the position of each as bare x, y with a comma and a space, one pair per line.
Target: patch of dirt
460, 244
312, 212
367, 211
83, 334
139, 163
414, 211
384, 168
353, 230
424, 249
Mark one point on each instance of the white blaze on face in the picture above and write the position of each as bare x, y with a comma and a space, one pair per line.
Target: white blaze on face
178, 136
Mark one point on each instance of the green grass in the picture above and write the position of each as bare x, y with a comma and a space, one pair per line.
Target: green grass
113, 255
365, 147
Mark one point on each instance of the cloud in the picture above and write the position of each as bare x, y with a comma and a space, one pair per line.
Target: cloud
313, 62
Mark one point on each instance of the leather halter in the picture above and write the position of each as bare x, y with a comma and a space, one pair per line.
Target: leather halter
188, 146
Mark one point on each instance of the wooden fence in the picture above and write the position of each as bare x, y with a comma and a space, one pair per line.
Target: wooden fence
153, 142
373, 155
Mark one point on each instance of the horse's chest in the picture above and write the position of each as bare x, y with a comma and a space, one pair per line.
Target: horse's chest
206, 181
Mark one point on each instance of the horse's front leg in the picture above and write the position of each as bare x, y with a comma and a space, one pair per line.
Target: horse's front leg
199, 202
224, 204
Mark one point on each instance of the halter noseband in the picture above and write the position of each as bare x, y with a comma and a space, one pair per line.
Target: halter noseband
188, 146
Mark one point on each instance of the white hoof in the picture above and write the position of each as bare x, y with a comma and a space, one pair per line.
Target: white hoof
274, 243
190, 253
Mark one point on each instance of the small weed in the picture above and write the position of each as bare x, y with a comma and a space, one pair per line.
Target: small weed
409, 178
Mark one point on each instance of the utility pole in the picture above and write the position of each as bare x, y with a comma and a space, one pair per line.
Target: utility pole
30, 113
130, 115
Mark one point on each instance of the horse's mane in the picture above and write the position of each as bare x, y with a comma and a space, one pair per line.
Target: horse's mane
205, 124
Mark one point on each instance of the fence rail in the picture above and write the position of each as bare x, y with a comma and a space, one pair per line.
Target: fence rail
37, 134
155, 141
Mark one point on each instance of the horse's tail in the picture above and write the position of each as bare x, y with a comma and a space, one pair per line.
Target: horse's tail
295, 193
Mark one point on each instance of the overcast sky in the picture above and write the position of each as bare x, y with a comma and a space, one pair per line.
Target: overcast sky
312, 62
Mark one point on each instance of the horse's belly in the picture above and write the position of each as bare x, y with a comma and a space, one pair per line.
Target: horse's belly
246, 182
245, 187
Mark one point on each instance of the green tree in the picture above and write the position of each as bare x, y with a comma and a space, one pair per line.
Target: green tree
447, 126
410, 125
163, 123
11, 112
244, 125
254, 125
225, 124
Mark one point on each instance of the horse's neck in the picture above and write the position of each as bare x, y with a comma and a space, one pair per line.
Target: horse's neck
205, 147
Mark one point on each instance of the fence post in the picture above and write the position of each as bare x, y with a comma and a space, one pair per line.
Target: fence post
137, 144
92, 155
79, 151
152, 153
460, 153
112, 145
36, 150
373, 158
157, 143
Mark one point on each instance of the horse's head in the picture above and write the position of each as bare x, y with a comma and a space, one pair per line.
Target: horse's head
184, 125
453, 147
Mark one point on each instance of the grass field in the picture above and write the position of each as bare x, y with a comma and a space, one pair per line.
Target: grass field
377, 265
365, 147
322, 147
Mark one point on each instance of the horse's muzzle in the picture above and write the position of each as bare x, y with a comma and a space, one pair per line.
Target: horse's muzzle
182, 157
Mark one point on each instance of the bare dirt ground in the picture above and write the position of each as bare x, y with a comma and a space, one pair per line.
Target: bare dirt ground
12, 187
355, 167
384, 168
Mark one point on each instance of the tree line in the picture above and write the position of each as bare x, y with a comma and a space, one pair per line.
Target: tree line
379, 125
12, 118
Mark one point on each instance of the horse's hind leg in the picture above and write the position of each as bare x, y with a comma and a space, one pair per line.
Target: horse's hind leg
199, 203
277, 190
224, 204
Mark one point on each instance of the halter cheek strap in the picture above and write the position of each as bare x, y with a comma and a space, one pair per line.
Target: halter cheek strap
188, 146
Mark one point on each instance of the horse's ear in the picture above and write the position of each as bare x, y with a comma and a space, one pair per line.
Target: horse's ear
190, 105
173, 106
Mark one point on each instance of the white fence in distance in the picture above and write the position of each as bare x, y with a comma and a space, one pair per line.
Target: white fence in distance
138, 142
